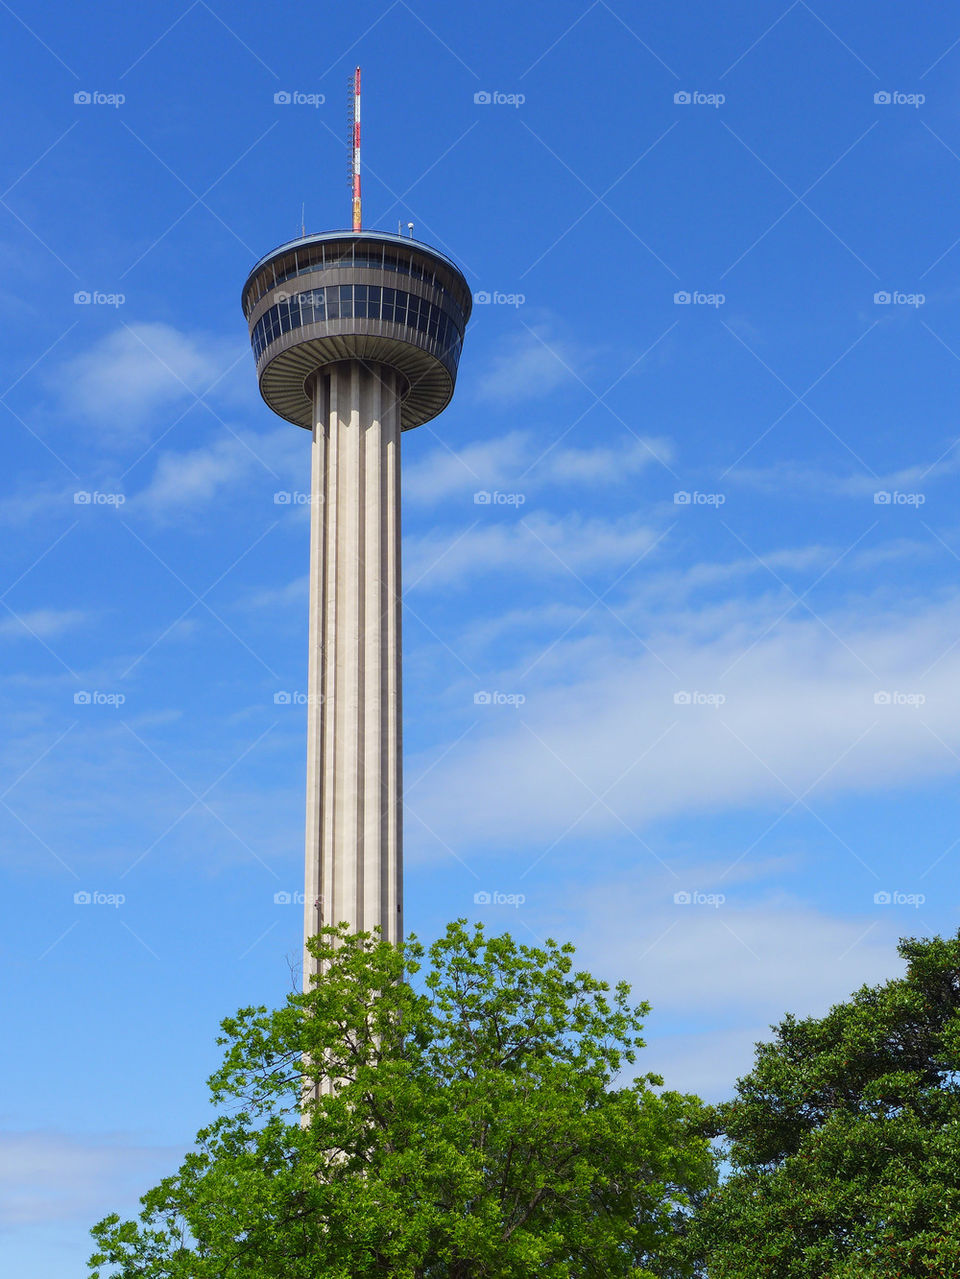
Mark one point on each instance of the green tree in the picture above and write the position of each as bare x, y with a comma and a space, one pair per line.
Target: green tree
844, 1140
477, 1129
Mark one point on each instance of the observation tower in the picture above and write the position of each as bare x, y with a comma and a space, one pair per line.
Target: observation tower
357, 337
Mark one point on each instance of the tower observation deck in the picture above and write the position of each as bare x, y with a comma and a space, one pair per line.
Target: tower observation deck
357, 337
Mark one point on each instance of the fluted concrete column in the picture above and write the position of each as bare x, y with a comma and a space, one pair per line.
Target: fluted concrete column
353, 847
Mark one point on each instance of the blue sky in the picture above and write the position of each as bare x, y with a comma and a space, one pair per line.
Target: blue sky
725, 763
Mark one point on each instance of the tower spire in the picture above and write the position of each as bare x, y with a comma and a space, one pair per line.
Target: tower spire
357, 221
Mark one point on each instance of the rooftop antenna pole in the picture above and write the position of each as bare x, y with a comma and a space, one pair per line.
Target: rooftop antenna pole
356, 150
303, 219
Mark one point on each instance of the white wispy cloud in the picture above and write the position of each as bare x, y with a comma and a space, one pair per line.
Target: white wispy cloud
443, 472
43, 622
52, 1177
530, 364
294, 593
705, 1062
521, 461
731, 970
602, 465
536, 544
830, 703
35, 502
190, 479
789, 477
137, 373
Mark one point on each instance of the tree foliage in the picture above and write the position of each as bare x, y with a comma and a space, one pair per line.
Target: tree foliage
478, 1128
844, 1139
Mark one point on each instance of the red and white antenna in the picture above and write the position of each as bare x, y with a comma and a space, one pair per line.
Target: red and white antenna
356, 150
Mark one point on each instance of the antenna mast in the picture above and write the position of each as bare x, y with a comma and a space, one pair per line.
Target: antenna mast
356, 150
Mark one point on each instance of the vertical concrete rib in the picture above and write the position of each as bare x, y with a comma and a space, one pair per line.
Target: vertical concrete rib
393, 799
317, 748
321, 834
353, 854
373, 659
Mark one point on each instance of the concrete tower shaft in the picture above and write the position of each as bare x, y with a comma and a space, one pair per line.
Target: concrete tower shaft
354, 858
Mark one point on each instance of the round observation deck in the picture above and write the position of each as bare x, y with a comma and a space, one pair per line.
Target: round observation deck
364, 295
